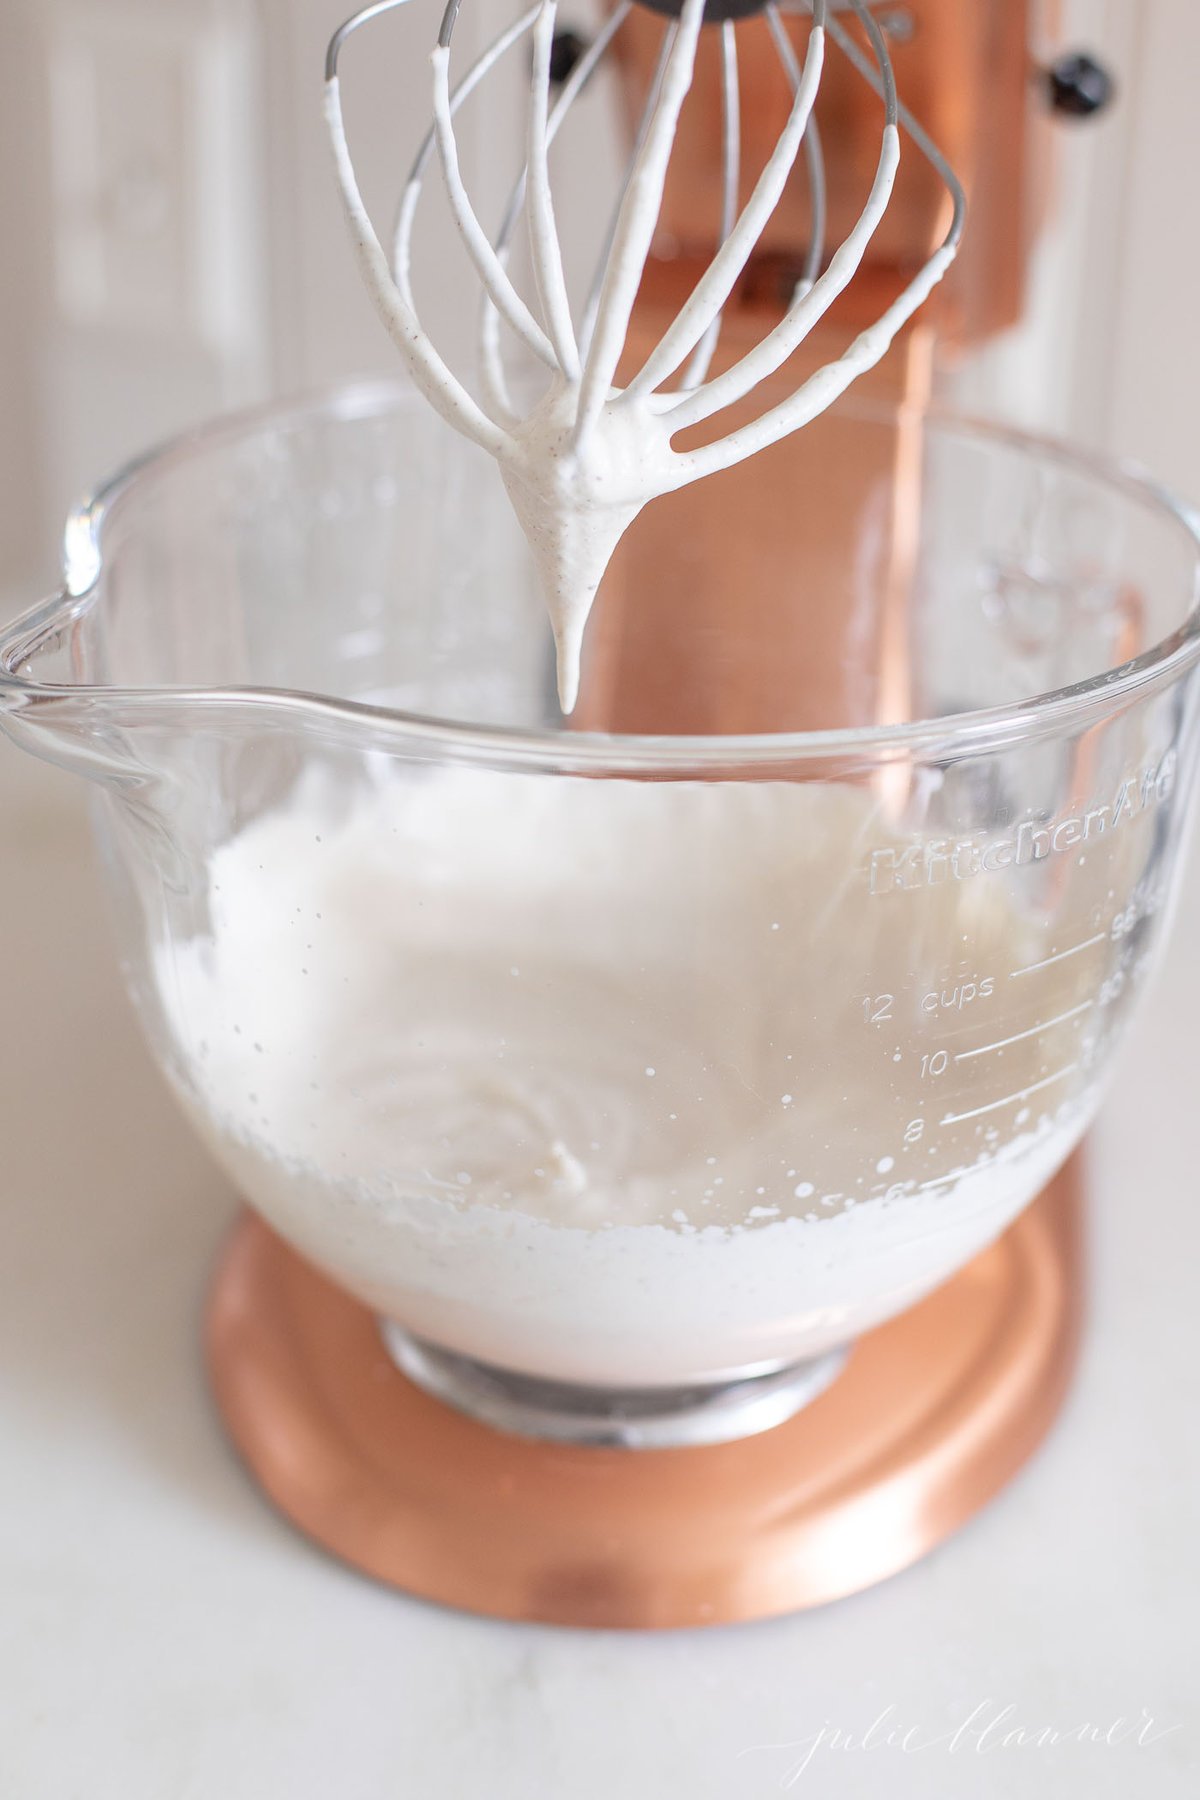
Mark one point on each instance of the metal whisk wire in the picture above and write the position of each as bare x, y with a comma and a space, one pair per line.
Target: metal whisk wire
558, 459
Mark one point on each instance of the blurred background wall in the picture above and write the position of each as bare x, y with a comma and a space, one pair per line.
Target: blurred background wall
173, 246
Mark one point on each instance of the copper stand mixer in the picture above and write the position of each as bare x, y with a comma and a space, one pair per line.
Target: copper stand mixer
939, 1408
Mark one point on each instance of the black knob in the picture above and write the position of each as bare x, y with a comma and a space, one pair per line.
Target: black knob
1080, 87
715, 13
566, 48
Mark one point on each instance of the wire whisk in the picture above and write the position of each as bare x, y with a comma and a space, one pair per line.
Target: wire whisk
581, 462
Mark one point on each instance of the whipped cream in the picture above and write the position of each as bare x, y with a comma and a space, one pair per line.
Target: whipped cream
621, 1081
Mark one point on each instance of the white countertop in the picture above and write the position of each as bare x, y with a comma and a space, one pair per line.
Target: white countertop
164, 1636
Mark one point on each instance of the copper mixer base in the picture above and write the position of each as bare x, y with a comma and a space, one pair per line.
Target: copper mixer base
935, 1412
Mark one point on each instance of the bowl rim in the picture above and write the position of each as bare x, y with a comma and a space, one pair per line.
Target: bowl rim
1053, 712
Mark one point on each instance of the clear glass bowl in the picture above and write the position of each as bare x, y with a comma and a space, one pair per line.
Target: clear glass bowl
628, 1075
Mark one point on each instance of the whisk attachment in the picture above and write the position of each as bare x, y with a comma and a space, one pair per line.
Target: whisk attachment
583, 460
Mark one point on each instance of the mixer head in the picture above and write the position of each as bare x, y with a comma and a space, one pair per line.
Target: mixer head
583, 461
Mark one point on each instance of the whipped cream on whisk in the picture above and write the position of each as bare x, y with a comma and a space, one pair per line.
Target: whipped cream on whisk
591, 454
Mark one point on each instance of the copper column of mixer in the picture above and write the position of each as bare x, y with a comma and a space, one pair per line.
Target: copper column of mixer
782, 538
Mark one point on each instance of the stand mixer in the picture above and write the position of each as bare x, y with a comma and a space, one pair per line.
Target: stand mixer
668, 1080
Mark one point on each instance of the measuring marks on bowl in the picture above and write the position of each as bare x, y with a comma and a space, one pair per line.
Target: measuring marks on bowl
1002, 1065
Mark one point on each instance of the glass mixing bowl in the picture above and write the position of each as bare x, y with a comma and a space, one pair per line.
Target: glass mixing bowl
627, 1073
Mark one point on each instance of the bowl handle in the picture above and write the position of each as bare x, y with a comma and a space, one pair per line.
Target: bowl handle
77, 726
36, 633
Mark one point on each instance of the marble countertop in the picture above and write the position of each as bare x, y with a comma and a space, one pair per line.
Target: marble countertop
164, 1636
